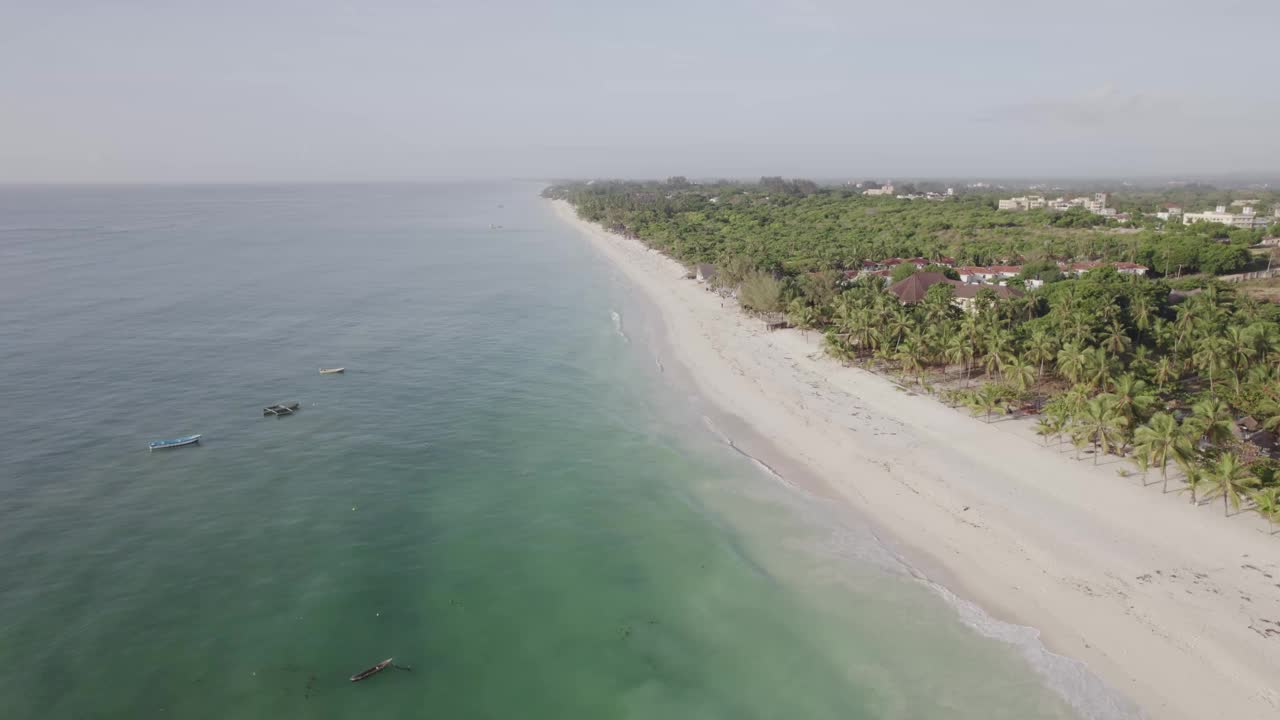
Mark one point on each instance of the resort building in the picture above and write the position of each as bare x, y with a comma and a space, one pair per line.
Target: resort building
1247, 218
1029, 202
1124, 268
988, 274
1096, 204
914, 289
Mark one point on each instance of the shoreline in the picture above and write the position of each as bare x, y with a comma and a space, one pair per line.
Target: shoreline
1167, 603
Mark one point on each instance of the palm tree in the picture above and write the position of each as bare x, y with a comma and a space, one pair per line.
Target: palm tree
992, 360
802, 315
1160, 441
1210, 356
1229, 478
1267, 504
1049, 425
1238, 344
909, 357
1194, 476
1142, 312
1164, 372
1041, 348
1101, 423
1071, 360
959, 350
1116, 339
1213, 420
1097, 367
1019, 374
988, 400
1132, 398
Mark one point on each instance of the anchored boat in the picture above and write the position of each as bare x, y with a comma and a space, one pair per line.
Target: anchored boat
371, 671
281, 409
332, 371
175, 442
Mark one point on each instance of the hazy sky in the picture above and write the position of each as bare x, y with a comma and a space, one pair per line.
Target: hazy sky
323, 90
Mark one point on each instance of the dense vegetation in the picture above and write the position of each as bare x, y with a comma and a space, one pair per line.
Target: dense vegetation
797, 226
1109, 362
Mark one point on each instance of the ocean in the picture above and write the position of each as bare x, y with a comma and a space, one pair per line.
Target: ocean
509, 491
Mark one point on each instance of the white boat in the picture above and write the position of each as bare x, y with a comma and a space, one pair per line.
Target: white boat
175, 442
332, 371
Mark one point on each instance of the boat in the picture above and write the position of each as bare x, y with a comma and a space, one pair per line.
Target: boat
281, 409
371, 671
175, 442
332, 371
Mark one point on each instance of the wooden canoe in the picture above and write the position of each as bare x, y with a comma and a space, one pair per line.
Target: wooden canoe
372, 671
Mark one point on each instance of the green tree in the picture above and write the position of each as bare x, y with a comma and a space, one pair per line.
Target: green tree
1229, 478
1161, 440
1212, 420
1019, 374
1266, 502
760, 292
1041, 348
1102, 424
801, 314
902, 272
1071, 362
989, 400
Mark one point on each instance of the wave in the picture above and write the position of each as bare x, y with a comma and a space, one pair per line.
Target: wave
1071, 679
1085, 692
762, 465
617, 325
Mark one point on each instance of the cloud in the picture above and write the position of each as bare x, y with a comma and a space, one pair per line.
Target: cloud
1102, 109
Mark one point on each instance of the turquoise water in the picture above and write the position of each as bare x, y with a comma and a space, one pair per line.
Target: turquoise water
504, 492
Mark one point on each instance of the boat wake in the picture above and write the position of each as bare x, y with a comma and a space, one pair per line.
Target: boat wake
617, 325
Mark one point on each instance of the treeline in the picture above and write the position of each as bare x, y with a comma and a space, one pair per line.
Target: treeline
794, 226
1107, 361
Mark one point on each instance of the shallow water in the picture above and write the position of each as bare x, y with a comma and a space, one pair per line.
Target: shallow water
505, 491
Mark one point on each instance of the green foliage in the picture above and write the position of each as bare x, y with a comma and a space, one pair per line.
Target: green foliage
796, 226
1132, 361
902, 272
761, 292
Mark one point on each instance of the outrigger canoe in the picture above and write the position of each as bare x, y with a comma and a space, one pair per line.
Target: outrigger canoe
371, 671
175, 442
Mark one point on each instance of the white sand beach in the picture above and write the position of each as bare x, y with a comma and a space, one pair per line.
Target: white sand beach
1174, 606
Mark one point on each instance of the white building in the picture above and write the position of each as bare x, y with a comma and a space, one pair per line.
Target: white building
1246, 219
882, 190
1029, 202
1096, 204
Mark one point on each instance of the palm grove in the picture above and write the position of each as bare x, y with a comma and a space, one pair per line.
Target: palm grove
1111, 363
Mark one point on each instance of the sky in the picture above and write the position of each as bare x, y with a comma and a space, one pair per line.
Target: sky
322, 90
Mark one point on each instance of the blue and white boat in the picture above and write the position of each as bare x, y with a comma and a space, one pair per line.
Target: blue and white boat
175, 442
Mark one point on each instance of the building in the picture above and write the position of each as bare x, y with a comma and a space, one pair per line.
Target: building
914, 289
1247, 218
988, 274
1170, 211
1096, 204
882, 190
1029, 202
1124, 268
